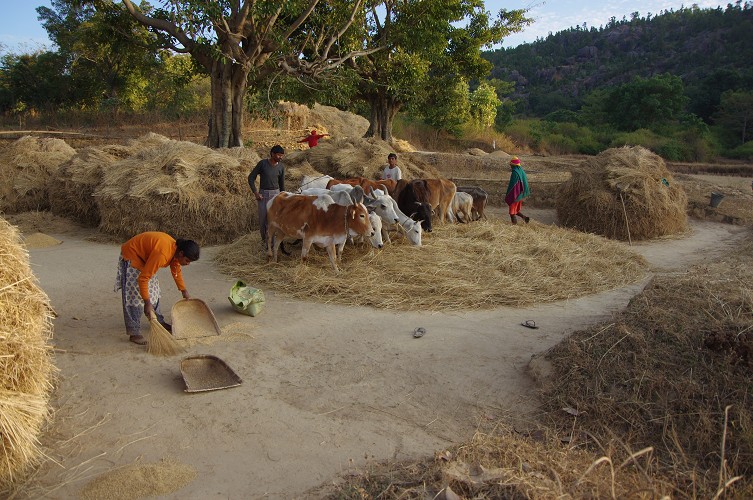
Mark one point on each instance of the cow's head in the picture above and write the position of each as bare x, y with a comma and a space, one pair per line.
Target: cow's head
422, 213
384, 208
358, 221
357, 195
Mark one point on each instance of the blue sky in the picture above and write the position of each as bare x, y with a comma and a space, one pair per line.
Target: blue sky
20, 31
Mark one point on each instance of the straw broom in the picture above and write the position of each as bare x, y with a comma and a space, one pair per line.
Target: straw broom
161, 343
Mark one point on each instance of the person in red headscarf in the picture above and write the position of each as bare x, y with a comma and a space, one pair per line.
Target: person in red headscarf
517, 189
313, 138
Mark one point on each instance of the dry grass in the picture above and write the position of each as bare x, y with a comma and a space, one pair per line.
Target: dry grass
74, 182
26, 368
465, 266
673, 374
26, 167
180, 188
621, 193
355, 157
506, 464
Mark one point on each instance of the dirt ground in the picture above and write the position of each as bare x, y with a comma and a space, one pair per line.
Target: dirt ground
326, 389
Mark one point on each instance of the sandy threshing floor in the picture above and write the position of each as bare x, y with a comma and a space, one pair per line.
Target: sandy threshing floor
325, 388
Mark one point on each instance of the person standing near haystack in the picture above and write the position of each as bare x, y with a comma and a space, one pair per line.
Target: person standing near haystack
392, 171
313, 138
140, 258
517, 189
271, 174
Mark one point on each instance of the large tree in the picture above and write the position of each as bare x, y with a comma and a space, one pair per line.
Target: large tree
242, 42
431, 45
107, 53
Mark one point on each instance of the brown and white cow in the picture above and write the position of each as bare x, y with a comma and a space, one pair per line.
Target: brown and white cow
316, 220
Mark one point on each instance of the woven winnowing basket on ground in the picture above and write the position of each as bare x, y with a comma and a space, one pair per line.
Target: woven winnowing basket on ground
592, 200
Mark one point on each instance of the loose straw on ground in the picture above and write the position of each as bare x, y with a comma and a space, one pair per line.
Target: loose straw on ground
481, 265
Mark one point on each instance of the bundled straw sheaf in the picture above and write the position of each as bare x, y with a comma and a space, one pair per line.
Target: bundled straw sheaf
463, 266
74, 182
623, 193
26, 368
180, 188
26, 168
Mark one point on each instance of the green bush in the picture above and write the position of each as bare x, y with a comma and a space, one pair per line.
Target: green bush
558, 144
744, 152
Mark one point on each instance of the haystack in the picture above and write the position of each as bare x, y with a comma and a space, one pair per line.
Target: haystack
592, 200
26, 167
26, 368
178, 187
357, 157
74, 182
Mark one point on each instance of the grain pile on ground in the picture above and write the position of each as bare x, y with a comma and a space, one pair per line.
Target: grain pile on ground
26, 368
674, 372
140, 480
26, 167
356, 157
502, 464
465, 266
42, 222
74, 182
40, 240
623, 193
181, 188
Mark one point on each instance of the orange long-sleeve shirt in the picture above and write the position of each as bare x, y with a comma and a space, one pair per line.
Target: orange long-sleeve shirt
148, 252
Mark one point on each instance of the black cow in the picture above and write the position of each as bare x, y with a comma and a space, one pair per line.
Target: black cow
480, 197
411, 201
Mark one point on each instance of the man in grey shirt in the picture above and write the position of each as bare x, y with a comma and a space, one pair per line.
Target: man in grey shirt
271, 173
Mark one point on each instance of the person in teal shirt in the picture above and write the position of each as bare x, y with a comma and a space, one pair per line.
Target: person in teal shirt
517, 189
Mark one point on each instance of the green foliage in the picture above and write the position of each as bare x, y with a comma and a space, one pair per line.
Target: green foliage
562, 116
735, 115
452, 109
742, 152
709, 48
483, 105
645, 102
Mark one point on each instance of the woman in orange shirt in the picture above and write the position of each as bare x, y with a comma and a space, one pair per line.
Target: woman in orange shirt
140, 258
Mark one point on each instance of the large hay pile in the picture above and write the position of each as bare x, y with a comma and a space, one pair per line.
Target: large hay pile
592, 200
460, 266
181, 188
26, 368
74, 182
26, 166
357, 157
674, 372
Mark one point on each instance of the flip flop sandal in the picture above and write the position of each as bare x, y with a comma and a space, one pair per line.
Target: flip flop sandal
419, 332
529, 323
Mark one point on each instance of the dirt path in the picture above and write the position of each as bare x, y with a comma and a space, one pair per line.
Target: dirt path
326, 388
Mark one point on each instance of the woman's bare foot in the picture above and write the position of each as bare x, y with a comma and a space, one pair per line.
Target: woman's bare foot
137, 339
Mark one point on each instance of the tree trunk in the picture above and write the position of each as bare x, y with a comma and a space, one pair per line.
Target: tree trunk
383, 112
226, 115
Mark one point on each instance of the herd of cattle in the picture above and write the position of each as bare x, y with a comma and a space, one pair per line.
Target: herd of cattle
327, 211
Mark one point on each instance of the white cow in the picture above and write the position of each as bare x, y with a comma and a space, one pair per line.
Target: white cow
314, 181
411, 228
462, 204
